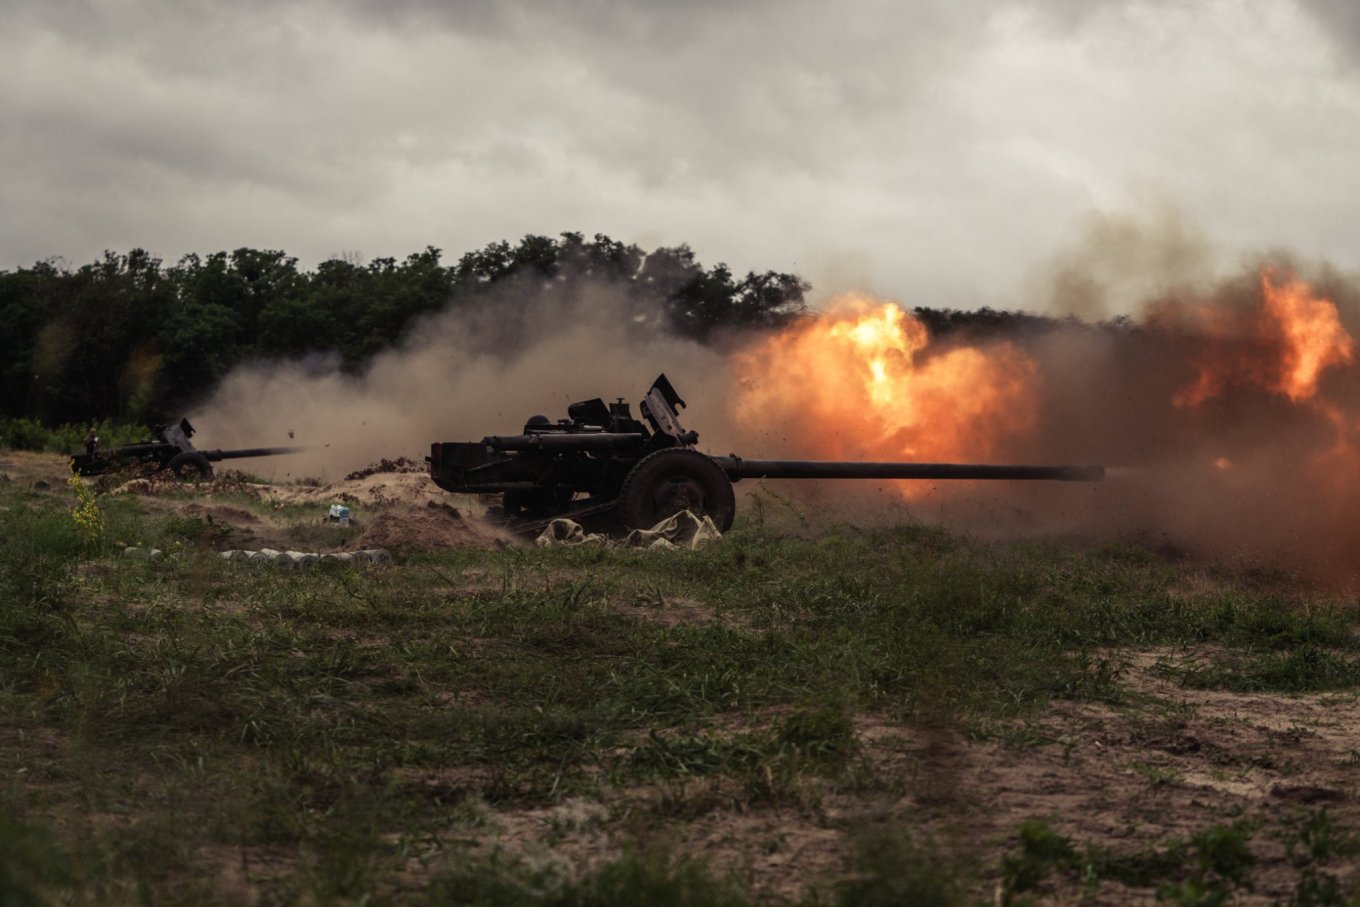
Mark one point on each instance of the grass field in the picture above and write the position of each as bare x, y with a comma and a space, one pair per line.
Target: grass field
896, 716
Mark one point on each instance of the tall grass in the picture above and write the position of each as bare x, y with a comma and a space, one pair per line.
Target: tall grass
38, 552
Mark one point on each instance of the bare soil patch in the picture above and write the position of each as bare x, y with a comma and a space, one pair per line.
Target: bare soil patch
1124, 777
428, 528
40, 472
671, 612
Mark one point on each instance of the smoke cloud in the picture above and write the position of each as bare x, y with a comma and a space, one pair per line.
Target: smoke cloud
1223, 456
1120, 261
460, 375
1238, 470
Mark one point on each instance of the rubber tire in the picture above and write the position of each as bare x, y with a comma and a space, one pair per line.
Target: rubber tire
191, 464
663, 483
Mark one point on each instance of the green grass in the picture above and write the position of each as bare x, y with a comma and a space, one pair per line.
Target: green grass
889, 865
31, 435
347, 729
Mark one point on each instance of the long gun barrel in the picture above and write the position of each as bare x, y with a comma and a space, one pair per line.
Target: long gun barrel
215, 456
741, 468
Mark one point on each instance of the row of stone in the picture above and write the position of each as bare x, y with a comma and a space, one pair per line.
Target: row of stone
145, 554
307, 558
281, 558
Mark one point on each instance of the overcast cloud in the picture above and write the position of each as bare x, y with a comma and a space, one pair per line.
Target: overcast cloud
939, 153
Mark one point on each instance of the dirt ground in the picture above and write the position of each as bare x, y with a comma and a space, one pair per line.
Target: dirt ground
1167, 763
1128, 779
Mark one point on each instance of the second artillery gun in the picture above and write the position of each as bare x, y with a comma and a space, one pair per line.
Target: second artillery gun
601, 464
168, 449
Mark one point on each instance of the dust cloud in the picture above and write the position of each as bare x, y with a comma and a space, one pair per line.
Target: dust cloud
1120, 260
1224, 449
1245, 473
460, 375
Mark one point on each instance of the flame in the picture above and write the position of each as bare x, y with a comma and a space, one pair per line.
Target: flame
1313, 336
1267, 473
1283, 346
863, 381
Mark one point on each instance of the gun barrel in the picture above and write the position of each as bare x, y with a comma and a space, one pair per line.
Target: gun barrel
739, 468
219, 455
137, 450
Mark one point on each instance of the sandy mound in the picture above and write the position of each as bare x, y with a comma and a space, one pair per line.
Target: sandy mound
219, 513
400, 508
404, 509
432, 527
379, 488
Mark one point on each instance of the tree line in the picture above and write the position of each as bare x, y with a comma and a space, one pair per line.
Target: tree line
127, 339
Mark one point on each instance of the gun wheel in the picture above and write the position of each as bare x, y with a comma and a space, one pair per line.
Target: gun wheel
668, 481
190, 465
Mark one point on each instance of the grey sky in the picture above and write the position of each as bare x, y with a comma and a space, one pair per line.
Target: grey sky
941, 153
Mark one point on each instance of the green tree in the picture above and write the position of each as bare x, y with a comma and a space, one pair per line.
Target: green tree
124, 338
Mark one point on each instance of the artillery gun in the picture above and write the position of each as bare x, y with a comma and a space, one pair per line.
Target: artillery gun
601, 464
169, 448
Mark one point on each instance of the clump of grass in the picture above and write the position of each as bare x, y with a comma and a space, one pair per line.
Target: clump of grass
1208, 869
34, 867
1222, 862
889, 865
1043, 851
822, 735
190, 529
1307, 669
638, 877
816, 740
491, 882
37, 548
1313, 839
649, 877
38, 552
102, 865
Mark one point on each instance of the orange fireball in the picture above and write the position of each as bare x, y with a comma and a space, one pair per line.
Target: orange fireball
1313, 336
1281, 347
864, 381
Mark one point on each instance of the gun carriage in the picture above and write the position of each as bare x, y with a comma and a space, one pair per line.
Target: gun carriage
168, 449
601, 464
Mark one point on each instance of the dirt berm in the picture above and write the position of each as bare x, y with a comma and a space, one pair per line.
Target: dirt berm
392, 506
